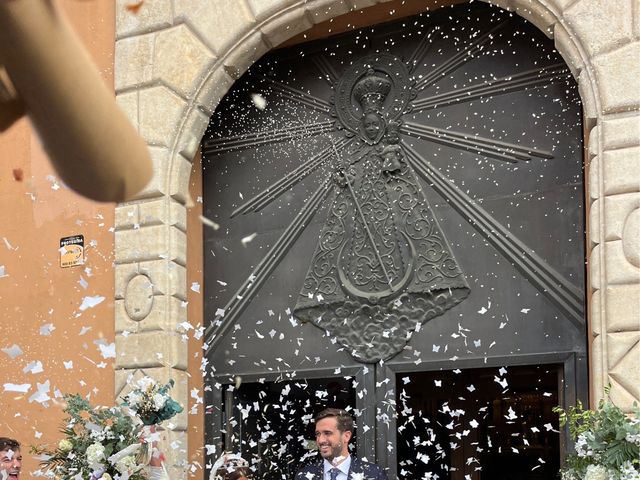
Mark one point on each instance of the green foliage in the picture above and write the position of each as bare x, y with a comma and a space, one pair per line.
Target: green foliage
99, 441
85, 426
606, 437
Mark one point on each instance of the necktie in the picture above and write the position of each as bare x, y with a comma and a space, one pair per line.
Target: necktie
334, 473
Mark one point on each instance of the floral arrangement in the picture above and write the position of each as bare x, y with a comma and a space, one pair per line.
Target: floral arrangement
99, 444
151, 402
109, 443
607, 443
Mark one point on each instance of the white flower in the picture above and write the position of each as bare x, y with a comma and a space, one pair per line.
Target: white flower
134, 399
159, 401
596, 472
127, 464
582, 445
65, 445
628, 472
633, 438
106, 476
146, 383
569, 475
95, 455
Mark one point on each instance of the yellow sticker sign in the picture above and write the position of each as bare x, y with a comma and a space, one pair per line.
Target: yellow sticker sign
72, 251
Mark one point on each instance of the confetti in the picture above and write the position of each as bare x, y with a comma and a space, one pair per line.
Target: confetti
19, 388
90, 302
13, 351
259, 101
209, 223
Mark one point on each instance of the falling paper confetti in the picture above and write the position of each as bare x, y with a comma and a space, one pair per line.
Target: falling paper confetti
248, 238
13, 351
209, 223
259, 101
20, 388
90, 302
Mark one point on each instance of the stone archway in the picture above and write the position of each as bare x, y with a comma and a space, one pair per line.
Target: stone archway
176, 59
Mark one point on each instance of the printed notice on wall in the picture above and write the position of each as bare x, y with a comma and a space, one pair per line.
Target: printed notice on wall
72, 251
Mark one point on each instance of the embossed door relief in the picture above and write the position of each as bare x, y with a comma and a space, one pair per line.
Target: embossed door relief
360, 134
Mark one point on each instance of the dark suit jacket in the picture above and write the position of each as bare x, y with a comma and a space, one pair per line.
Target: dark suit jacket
371, 471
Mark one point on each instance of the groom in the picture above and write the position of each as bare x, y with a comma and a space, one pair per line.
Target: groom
10, 459
334, 428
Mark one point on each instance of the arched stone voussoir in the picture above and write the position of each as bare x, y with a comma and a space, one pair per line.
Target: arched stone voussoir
598, 26
533, 11
263, 9
220, 24
181, 59
152, 15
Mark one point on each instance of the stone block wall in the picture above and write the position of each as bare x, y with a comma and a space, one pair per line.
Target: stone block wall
175, 59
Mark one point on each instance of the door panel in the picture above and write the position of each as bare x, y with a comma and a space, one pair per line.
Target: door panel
465, 124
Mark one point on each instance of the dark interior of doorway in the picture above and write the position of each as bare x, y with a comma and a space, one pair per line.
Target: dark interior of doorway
486, 423
273, 422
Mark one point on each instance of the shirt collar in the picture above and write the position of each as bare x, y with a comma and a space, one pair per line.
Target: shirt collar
344, 466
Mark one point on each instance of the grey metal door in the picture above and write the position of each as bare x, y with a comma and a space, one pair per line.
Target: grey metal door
403, 198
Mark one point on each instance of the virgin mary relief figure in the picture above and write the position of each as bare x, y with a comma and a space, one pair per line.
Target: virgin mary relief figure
382, 266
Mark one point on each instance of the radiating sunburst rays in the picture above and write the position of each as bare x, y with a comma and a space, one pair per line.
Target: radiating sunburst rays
545, 278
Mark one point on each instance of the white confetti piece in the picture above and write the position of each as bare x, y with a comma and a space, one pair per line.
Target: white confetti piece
90, 302
248, 238
33, 367
3, 272
47, 329
19, 388
209, 223
13, 351
8, 244
195, 287
259, 101
108, 351
511, 414
68, 365
501, 381
42, 393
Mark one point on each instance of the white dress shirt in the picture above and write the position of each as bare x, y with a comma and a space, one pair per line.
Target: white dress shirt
343, 467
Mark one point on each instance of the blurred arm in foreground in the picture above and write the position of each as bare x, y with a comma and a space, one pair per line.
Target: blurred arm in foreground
50, 77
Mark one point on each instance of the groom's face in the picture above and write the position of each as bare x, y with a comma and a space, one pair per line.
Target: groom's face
332, 443
10, 464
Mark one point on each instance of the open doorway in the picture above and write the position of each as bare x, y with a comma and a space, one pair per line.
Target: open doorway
485, 423
270, 423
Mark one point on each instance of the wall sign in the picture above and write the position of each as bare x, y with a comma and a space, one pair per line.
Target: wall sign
72, 251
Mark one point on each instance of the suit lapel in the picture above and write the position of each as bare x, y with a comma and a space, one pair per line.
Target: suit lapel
355, 467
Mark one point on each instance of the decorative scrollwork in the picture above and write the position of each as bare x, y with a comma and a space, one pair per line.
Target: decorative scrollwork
382, 265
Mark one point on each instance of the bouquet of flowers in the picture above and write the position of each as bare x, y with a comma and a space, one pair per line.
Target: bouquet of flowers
607, 443
109, 443
151, 402
98, 444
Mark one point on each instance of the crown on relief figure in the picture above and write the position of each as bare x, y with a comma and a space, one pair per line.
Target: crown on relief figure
371, 91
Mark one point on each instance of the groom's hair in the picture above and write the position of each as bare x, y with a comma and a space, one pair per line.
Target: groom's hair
344, 418
8, 444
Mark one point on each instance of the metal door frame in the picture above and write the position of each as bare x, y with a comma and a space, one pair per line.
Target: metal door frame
572, 386
363, 374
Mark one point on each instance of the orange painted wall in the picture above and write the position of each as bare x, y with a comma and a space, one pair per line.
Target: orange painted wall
36, 210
